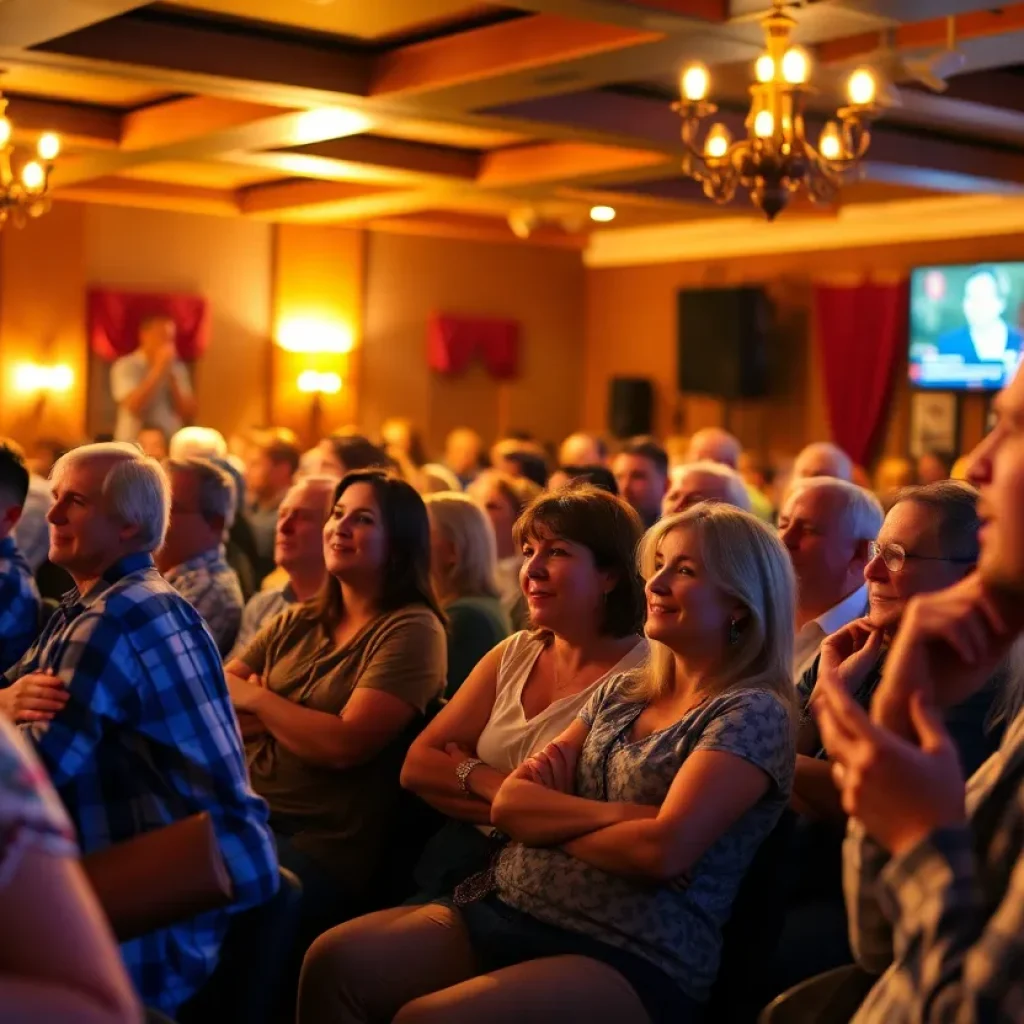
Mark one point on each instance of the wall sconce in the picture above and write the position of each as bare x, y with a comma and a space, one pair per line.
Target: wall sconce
310, 335
34, 378
312, 382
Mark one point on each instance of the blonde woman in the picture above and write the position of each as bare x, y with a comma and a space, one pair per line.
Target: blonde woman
462, 566
632, 831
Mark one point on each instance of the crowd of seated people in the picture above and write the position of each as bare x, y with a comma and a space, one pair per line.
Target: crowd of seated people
576, 689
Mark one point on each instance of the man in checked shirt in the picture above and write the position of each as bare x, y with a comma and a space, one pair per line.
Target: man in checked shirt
934, 867
124, 697
19, 598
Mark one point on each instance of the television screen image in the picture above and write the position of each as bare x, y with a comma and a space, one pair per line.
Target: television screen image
965, 325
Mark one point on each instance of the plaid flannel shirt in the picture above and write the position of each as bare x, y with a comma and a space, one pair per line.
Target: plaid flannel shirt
19, 605
211, 586
149, 737
945, 921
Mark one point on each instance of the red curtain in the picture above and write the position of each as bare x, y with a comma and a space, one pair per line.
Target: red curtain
453, 341
862, 331
114, 319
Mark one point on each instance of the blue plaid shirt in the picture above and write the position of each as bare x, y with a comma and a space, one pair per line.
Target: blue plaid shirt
19, 605
149, 737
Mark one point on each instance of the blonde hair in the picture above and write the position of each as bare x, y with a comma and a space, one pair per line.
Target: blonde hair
470, 532
748, 562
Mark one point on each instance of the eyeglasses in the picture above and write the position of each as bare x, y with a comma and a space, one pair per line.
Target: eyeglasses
895, 556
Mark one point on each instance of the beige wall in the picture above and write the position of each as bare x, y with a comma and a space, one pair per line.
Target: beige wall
226, 260
409, 277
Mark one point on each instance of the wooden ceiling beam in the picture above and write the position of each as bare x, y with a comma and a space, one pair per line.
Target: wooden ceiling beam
94, 127
154, 195
274, 197
189, 118
31, 22
531, 42
559, 161
413, 158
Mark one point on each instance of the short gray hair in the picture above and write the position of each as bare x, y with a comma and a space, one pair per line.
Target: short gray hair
217, 499
198, 443
862, 511
839, 463
955, 503
136, 489
736, 491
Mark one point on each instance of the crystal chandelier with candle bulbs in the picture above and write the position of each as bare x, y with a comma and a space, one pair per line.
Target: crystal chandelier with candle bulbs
24, 179
776, 160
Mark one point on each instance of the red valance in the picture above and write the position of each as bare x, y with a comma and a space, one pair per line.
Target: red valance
861, 332
114, 319
453, 341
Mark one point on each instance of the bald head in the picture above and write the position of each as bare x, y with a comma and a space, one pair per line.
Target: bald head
582, 450
823, 459
715, 445
695, 482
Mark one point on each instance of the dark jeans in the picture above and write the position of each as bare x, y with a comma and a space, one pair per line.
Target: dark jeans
455, 852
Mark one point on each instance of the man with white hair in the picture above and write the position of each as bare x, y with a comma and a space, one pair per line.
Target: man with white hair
713, 444
822, 458
192, 558
828, 526
125, 699
693, 482
298, 550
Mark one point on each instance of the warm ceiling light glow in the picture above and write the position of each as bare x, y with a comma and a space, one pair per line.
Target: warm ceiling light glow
830, 146
764, 68
5, 131
31, 377
716, 145
310, 334
602, 214
313, 382
861, 87
48, 146
764, 124
695, 82
795, 66
329, 123
33, 177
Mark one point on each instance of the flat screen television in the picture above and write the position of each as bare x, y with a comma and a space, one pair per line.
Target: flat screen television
965, 325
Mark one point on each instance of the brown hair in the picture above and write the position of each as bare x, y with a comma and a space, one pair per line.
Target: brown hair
279, 444
518, 491
406, 571
610, 529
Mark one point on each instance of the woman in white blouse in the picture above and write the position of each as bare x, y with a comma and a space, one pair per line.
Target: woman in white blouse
586, 605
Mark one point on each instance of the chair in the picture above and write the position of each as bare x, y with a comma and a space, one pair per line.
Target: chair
829, 998
752, 932
254, 958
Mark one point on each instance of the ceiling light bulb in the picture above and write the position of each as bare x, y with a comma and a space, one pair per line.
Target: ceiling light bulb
695, 83
716, 145
830, 146
764, 124
33, 177
602, 214
795, 66
764, 68
861, 87
48, 146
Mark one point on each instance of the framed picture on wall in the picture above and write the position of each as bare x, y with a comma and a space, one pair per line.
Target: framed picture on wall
934, 422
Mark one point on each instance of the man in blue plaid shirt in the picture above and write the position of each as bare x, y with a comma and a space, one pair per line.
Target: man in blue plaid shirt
19, 598
125, 699
934, 867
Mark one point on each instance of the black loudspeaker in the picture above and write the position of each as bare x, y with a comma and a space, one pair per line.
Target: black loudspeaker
630, 406
723, 339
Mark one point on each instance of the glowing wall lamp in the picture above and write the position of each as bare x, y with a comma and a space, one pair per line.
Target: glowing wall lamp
312, 382
37, 379
308, 334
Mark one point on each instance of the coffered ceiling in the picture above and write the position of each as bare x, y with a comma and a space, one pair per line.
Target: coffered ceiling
463, 118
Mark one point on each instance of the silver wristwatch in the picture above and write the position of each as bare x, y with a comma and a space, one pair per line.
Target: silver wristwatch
463, 770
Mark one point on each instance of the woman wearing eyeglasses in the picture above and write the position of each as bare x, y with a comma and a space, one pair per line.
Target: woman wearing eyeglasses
928, 541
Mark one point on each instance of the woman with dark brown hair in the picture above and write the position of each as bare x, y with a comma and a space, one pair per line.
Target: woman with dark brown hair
586, 606
327, 692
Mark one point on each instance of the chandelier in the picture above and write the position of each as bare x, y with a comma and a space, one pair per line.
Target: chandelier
24, 180
775, 160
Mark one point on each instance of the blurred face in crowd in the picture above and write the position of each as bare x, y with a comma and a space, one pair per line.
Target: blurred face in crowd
996, 468
189, 532
564, 589
486, 492
298, 540
828, 561
157, 336
931, 469
914, 527
355, 544
684, 606
265, 477
641, 483
85, 537
462, 452
691, 486
153, 443
579, 450
397, 437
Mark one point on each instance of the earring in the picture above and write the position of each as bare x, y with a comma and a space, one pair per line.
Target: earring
734, 632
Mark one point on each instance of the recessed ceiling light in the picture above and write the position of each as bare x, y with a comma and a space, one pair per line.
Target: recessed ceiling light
602, 214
